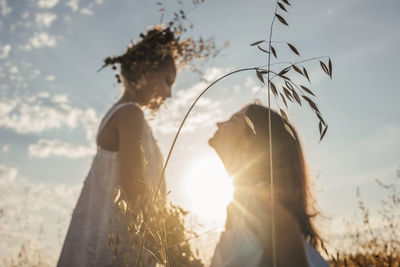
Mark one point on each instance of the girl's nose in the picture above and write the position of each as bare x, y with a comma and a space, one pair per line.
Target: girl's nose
219, 124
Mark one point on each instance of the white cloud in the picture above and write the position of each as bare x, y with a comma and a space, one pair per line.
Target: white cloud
26, 206
13, 70
45, 19
38, 113
42, 39
206, 112
86, 11
5, 148
47, 3
45, 148
50, 78
5, 51
60, 98
214, 73
25, 15
5, 9
73, 4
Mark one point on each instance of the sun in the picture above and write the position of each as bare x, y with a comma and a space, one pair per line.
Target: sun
208, 189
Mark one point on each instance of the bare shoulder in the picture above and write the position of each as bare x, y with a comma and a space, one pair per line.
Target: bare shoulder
129, 115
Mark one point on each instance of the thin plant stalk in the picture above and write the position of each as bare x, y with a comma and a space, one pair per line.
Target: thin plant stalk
272, 192
143, 239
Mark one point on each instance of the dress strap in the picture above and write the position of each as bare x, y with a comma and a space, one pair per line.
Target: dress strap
109, 115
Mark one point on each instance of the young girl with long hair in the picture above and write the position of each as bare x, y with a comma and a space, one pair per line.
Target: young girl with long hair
242, 143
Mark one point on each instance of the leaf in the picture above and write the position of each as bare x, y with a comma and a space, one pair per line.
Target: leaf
297, 69
273, 51
306, 74
282, 20
283, 100
287, 128
311, 103
289, 85
256, 43
320, 118
283, 114
307, 90
324, 67
286, 2
117, 194
330, 68
293, 49
296, 97
259, 76
250, 124
273, 88
284, 71
282, 7
287, 93
323, 133
262, 49
320, 127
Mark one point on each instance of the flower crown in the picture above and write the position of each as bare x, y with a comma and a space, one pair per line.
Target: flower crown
160, 42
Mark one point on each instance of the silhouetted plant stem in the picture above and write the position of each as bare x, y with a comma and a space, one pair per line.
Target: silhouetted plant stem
270, 146
143, 239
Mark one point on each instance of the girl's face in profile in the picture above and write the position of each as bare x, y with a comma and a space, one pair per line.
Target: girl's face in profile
154, 86
230, 140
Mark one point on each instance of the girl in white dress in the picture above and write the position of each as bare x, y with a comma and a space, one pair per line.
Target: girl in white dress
242, 144
127, 158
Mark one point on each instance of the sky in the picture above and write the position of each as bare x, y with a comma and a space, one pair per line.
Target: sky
52, 100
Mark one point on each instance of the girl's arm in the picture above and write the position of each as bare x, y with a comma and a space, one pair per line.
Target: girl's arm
130, 123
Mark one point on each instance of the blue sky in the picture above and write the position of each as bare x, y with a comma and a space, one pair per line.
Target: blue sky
52, 98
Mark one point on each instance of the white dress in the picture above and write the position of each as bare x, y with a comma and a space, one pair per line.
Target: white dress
96, 216
239, 246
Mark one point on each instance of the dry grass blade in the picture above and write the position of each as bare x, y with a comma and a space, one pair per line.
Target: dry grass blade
282, 7
284, 71
286, 2
287, 93
306, 74
281, 19
311, 103
283, 114
324, 68
273, 88
273, 51
250, 124
262, 49
289, 85
320, 127
306, 90
296, 97
287, 128
321, 119
323, 133
283, 100
297, 69
257, 43
330, 68
259, 76
294, 49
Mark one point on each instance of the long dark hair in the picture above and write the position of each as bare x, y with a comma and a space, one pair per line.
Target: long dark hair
291, 180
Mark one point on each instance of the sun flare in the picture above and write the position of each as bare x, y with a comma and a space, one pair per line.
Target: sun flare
208, 189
